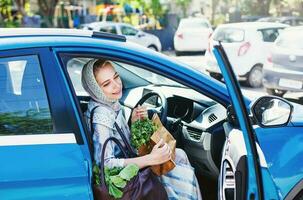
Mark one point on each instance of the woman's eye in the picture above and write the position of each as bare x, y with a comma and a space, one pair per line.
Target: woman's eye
116, 77
106, 84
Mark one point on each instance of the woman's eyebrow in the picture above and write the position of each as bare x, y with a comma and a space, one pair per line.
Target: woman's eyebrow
104, 82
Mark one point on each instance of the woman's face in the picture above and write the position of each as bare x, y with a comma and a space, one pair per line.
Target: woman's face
109, 81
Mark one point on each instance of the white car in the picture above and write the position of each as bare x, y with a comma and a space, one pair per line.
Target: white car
247, 46
192, 35
131, 33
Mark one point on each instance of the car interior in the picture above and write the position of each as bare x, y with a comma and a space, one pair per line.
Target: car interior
195, 120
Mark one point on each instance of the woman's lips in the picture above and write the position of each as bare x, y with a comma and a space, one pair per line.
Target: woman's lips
115, 93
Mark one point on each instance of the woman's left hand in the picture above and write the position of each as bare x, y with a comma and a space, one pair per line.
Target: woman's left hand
139, 112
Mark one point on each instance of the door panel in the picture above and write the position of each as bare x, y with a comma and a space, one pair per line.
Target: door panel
41, 157
254, 179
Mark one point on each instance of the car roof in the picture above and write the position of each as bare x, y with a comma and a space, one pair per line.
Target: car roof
194, 19
254, 25
16, 38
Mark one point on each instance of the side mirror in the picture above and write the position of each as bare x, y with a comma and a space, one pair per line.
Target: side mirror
270, 111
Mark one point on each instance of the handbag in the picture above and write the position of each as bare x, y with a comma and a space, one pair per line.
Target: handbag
144, 186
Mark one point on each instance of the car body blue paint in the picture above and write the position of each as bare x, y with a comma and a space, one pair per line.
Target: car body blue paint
58, 169
283, 151
252, 182
282, 147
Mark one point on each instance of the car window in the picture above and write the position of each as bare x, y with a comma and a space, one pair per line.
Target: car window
229, 35
24, 107
109, 29
289, 22
291, 40
126, 30
269, 35
299, 22
129, 78
193, 24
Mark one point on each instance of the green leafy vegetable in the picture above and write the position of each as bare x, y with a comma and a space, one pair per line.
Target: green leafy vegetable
114, 191
141, 131
118, 181
117, 177
129, 172
96, 173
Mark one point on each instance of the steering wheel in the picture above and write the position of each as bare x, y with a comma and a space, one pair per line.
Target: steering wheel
160, 110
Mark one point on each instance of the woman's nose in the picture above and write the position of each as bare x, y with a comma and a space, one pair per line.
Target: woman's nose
116, 83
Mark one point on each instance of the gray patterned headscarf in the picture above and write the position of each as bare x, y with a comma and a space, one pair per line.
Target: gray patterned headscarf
91, 86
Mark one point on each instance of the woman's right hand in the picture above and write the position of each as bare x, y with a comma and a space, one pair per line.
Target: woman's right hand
160, 154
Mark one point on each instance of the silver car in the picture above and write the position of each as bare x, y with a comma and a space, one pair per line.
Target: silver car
284, 69
130, 32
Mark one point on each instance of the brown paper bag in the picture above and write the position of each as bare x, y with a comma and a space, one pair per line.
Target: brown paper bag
163, 133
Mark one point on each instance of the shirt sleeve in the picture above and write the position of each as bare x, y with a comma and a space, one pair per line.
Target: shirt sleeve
102, 133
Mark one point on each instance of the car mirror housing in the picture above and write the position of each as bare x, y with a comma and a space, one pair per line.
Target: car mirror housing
271, 111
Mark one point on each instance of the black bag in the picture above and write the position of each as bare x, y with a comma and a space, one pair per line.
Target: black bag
144, 186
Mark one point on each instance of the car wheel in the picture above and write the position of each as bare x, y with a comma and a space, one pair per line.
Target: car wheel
255, 77
178, 53
152, 48
275, 92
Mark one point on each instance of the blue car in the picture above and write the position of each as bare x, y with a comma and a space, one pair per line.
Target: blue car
240, 149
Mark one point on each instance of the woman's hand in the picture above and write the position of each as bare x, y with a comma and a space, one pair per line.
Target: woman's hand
160, 154
139, 112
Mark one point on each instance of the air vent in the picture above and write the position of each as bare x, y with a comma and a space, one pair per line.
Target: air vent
212, 117
194, 133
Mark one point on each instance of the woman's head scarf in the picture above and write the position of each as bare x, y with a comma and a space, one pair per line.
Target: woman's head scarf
91, 86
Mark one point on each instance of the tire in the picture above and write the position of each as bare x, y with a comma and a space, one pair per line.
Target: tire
275, 92
255, 77
178, 53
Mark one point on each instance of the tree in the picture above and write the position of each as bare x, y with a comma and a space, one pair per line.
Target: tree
21, 6
184, 5
214, 5
47, 10
256, 7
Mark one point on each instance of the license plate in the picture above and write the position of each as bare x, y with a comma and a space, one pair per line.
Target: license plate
290, 83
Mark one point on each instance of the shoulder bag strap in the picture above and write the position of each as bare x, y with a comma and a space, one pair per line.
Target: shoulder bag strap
115, 140
129, 148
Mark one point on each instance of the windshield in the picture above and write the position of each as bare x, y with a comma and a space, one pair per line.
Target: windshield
229, 35
194, 23
292, 40
151, 77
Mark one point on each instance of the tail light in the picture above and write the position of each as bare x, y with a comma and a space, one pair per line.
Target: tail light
209, 42
243, 49
180, 35
269, 63
269, 59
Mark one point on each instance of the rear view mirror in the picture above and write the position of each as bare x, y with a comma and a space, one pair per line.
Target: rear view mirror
269, 111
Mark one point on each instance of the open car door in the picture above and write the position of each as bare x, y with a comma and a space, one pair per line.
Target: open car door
240, 173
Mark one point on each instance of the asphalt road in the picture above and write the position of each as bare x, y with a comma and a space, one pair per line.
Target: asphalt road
197, 61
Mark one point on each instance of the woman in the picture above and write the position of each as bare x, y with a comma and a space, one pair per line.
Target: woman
104, 85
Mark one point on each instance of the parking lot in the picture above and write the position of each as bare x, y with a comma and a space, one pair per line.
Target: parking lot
197, 60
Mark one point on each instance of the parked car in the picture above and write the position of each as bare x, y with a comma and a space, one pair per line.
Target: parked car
45, 146
284, 69
192, 35
290, 20
130, 32
247, 45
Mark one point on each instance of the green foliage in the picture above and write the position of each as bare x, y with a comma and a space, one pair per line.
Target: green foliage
184, 5
96, 174
141, 131
129, 172
29, 122
116, 178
